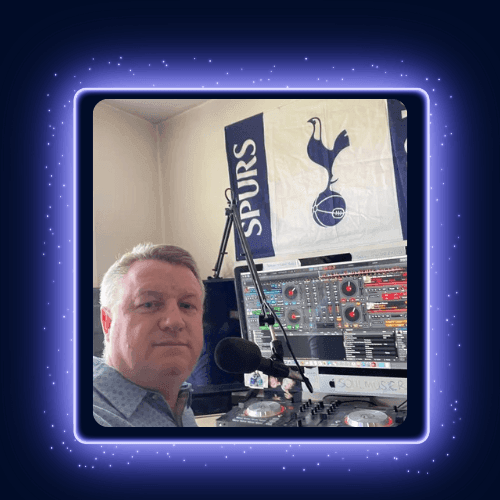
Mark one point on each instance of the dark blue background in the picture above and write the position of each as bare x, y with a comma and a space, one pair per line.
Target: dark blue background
460, 456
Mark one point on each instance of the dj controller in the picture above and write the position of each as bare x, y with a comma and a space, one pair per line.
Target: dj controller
347, 323
283, 413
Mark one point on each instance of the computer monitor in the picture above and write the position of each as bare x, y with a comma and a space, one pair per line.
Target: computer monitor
346, 321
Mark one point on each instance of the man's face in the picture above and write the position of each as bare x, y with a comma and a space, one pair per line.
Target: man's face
156, 330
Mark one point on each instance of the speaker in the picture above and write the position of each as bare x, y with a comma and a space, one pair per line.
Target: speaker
212, 387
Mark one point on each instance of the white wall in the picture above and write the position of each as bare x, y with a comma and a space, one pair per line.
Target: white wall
126, 178
165, 183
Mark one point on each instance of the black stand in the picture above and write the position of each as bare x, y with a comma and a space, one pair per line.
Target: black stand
225, 238
267, 315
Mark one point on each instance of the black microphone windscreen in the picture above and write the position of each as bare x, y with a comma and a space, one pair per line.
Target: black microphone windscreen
236, 355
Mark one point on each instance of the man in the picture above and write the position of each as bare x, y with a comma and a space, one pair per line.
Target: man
151, 314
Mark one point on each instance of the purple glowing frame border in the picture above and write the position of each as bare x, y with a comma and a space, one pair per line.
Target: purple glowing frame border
167, 440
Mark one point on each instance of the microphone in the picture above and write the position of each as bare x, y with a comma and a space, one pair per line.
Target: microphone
236, 355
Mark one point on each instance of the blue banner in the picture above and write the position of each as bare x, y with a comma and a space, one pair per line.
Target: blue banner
397, 125
247, 162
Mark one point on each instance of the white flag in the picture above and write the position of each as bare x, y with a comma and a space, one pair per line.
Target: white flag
315, 176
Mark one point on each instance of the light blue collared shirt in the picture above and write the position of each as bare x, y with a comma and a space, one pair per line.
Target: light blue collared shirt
120, 403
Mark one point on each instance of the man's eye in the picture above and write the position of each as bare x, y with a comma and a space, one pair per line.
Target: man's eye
186, 305
149, 305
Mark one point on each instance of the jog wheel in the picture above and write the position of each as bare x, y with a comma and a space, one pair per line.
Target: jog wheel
368, 418
351, 314
349, 288
265, 409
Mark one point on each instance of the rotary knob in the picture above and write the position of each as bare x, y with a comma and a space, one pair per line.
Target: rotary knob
293, 316
291, 292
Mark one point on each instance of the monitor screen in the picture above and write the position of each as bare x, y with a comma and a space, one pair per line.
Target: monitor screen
345, 322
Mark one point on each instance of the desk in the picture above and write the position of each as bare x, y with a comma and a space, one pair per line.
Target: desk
208, 420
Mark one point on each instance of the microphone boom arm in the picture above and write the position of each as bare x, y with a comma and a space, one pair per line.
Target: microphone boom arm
268, 315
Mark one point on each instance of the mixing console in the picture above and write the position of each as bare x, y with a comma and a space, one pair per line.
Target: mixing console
283, 413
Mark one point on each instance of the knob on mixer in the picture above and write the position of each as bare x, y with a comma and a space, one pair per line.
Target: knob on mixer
291, 292
293, 316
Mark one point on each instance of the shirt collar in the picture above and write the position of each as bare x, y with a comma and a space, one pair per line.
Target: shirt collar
123, 394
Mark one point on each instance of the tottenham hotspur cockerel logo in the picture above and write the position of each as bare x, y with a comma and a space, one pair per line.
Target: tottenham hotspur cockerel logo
329, 207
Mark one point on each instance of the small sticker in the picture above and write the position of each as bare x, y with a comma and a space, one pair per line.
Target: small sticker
256, 380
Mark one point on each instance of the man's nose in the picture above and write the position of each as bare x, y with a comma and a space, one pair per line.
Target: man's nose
172, 318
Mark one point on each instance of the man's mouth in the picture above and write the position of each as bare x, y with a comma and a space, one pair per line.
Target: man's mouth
159, 344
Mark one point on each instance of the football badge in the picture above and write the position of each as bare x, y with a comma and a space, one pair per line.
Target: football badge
329, 207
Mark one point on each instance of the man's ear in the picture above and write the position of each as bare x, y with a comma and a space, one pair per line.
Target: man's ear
105, 321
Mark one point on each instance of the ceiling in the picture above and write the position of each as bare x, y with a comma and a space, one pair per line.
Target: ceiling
155, 110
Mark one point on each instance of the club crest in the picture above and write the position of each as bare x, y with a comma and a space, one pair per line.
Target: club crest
329, 208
